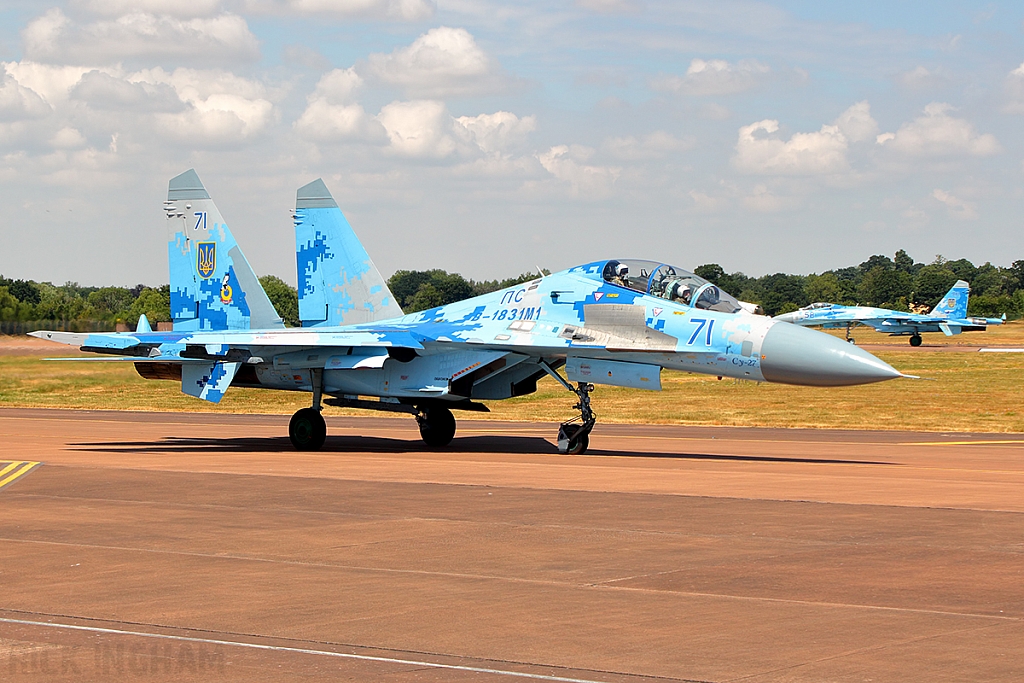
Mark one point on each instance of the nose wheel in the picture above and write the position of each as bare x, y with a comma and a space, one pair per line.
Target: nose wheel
915, 340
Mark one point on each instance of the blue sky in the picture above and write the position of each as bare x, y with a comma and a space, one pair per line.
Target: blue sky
488, 137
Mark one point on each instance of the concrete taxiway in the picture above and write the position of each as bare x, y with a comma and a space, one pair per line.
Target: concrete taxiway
202, 547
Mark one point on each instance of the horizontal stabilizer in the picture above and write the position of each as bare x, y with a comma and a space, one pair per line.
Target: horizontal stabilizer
69, 338
208, 381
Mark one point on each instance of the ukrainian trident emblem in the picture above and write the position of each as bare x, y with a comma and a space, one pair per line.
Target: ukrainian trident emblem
206, 258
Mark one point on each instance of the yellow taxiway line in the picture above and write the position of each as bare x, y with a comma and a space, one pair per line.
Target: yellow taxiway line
16, 469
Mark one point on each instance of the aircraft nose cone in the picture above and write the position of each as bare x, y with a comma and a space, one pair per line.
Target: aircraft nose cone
796, 355
787, 317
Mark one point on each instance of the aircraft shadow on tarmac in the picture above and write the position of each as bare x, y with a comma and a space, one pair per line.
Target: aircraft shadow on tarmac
375, 444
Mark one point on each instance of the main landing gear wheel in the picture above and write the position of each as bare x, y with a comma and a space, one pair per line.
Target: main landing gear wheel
915, 340
574, 434
307, 429
437, 426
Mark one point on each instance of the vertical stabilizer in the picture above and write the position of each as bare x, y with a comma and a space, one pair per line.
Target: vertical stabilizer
212, 285
338, 283
954, 304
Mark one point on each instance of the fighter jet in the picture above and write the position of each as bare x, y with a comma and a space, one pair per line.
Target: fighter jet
949, 317
615, 322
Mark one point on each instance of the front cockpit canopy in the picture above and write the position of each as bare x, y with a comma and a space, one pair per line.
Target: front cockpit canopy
671, 283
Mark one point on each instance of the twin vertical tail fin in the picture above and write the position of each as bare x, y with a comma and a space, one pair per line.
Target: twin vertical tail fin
954, 304
213, 287
338, 283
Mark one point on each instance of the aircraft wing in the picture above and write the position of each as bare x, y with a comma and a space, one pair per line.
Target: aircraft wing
154, 343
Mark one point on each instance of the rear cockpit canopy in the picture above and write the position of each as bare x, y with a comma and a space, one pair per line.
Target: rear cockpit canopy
669, 282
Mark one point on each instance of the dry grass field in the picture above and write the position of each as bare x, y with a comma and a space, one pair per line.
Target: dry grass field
965, 391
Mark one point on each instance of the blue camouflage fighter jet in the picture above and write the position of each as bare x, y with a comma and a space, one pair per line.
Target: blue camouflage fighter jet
616, 322
949, 317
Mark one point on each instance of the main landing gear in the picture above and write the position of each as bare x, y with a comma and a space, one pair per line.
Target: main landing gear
915, 340
574, 434
437, 426
307, 429
848, 337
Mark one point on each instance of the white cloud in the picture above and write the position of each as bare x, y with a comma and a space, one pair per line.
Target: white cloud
921, 78
714, 77
222, 108
568, 164
442, 62
52, 83
763, 200
420, 128
1015, 91
703, 202
103, 91
17, 102
174, 8
67, 138
497, 132
856, 123
399, 10
611, 6
656, 145
958, 208
332, 114
54, 38
325, 122
819, 153
913, 219
337, 86
937, 134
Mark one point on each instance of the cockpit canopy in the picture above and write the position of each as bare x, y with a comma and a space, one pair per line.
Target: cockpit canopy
671, 283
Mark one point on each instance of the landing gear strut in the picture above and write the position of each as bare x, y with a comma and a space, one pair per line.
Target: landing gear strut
307, 428
848, 337
574, 434
915, 340
437, 426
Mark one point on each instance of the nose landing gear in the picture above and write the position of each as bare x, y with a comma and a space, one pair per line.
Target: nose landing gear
915, 340
574, 434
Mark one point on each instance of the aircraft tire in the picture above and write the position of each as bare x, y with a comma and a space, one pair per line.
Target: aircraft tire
307, 430
437, 427
578, 445
915, 340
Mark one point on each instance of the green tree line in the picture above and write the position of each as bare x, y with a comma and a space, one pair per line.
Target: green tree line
899, 283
